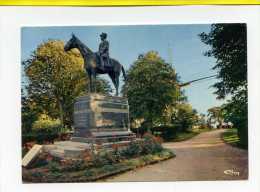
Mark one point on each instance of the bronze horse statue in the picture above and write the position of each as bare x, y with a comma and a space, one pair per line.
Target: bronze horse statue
92, 63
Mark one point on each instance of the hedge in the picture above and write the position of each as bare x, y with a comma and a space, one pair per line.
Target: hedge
44, 137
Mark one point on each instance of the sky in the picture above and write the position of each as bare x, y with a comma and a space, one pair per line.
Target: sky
179, 45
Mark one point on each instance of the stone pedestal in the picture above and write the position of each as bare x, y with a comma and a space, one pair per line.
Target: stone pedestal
99, 118
98, 121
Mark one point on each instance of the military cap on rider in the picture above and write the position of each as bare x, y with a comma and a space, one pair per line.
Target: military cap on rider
103, 35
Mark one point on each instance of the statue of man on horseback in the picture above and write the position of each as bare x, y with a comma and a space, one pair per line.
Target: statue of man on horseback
97, 63
103, 51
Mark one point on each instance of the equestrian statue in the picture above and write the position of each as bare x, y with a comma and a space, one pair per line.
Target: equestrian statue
97, 62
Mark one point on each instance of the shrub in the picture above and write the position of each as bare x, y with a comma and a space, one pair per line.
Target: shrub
45, 129
55, 174
77, 165
89, 173
147, 158
73, 165
99, 160
111, 157
46, 124
151, 144
42, 160
44, 137
108, 168
102, 158
140, 131
54, 166
37, 174
167, 132
133, 150
116, 153
39, 137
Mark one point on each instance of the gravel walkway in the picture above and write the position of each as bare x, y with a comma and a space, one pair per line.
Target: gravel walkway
204, 157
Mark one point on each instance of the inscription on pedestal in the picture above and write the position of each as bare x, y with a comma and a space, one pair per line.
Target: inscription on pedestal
100, 113
117, 120
81, 119
113, 106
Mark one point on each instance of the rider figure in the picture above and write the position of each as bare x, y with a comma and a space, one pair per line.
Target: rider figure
103, 51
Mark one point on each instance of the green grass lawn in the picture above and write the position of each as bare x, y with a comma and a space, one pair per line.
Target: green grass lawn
230, 137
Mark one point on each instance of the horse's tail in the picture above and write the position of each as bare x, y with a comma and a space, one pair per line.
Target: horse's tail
123, 71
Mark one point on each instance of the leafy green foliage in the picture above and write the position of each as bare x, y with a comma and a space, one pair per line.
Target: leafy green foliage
228, 44
202, 122
54, 79
37, 174
89, 173
53, 166
45, 129
184, 118
29, 113
99, 159
236, 111
149, 145
86, 174
45, 122
74, 165
167, 132
133, 150
43, 136
40, 161
151, 88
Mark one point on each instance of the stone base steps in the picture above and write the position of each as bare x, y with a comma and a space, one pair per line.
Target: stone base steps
106, 137
76, 150
67, 149
57, 153
77, 146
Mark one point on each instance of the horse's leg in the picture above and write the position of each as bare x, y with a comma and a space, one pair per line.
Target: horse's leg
116, 82
95, 80
112, 77
90, 82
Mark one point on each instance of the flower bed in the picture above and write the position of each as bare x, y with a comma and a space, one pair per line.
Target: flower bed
97, 165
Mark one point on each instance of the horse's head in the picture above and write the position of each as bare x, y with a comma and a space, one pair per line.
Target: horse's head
72, 43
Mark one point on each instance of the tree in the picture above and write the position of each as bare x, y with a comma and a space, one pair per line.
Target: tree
235, 111
202, 122
55, 79
29, 113
185, 117
151, 88
215, 114
229, 46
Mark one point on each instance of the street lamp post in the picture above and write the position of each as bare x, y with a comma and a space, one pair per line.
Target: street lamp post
199, 79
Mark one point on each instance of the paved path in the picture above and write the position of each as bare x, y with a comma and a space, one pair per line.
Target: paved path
204, 157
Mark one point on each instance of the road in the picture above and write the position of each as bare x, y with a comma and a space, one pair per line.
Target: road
204, 157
